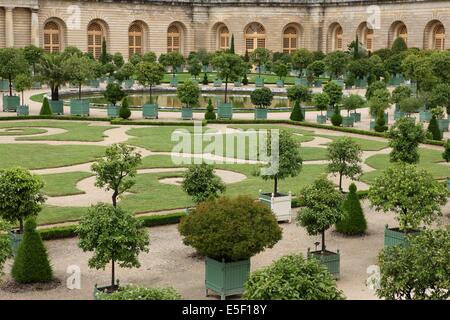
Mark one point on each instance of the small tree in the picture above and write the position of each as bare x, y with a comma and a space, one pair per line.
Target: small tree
412, 194
149, 74
301, 59
298, 94
195, 67
400, 93
399, 45
33, 55
410, 105
124, 111
173, 60
23, 82
336, 63
321, 101
344, 155
232, 229
352, 102
5, 246
105, 57
114, 235
334, 92
292, 278
12, 63
45, 108
188, 93
79, 69
260, 57
200, 182
281, 69
353, 222
232, 44
322, 208
125, 72
230, 67
117, 170
52, 72
405, 137
433, 129
446, 153
262, 97
210, 114
31, 264
114, 93
316, 69
418, 271
20, 195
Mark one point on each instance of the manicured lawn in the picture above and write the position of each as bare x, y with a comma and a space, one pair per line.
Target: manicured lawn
366, 145
40, 156
300, 135
63, 184
76, 131
21, 131
52, 214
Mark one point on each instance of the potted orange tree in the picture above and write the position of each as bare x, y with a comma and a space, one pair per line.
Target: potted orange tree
149, 74
188, 93
261, 98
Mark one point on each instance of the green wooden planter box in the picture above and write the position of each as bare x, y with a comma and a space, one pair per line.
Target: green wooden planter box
331, 260
321, 119
280, 83
112, 111
10, 103
225, 111
259, 82
94, 83
4, 85
150, 111
217, 83
396, 80
424, 116
347, 121
79, 107
226, 278
393, 237
36, 85
361, 83
398, 115
186, 113
318, 83
443, 124
128, 83
301, 81
260, 113
330, 113
23, 110
356, 116
174, 82
448, 184
15, 239
110, 80
56, 106
339, 82
238, 84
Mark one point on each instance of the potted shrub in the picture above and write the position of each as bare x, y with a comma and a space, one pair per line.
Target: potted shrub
322, 209
398, 94
298, 94
334, 92
112, 94
124, 75
412, 194
438, 113
289, 164
20, 198
378, 103
188, 93
230, 67
352, 102
114, 236
23, 82
281, 69
353, 222
313, 71
292, 278
410, 105
149, 74
321, 102
12, 63
228, 232
210, 114
261, 98
124, 111
174, 60
260, 57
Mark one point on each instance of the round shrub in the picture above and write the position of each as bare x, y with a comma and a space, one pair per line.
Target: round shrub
354, 221
140, 293
336, 119
232, 229
292, 278
124, 111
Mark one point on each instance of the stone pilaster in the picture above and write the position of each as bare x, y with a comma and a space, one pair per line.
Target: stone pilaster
35, 27
9, 24
200, 23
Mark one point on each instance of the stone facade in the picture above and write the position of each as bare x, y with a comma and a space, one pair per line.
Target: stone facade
22, 22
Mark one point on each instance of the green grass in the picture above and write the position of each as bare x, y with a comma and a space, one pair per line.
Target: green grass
366, 145
63, 184
21, 131
40, 156
38, 97
76, 131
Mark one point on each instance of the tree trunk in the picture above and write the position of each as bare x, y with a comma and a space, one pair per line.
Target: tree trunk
113, 273
114, 198
151, 95
10, 85
23, 99
226, 88
323, 241
79, 91
21, 225
340, 181
275, 185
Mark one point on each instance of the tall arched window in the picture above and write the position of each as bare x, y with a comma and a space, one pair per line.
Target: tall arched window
173, 39
290, 40
403, 33
439, 37
338, 42
95, 39
367, 37
135, 35
224, 38
255, 37
52, 37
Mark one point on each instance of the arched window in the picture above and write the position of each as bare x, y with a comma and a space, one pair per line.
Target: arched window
338, 42
224, 38
368, 38
403, 33
52, 37
290, 40
255, 37
135, 40
173, 39
95, 39
439, 37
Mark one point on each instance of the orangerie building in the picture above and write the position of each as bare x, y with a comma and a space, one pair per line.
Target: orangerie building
136, 26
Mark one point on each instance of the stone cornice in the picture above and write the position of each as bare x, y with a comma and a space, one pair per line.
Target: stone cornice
34, 4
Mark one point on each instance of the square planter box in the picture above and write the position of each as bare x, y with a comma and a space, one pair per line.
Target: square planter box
443, 124
318, 83
330, 113
260, 114
238, 84
301, 81
448, 184
361, 83
23, 110
321, 119
225, 111
112, 111
36, 85
94, 83
186, 113
393, 237
424, 116
56, 106
128, 83
110, 80
150, 111
217, 83
280, 205
259, 82
347, 121
280, 83
174, 82
79, 107
339, 82
10, 103
226, 278
4, 85
331, 260
356, 116
15, 238
398, 115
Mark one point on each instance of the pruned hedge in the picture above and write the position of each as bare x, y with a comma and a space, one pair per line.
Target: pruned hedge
49, 117
154, 123
297, 202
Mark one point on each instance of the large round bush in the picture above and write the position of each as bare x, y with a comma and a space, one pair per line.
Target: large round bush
292, 278
233, 229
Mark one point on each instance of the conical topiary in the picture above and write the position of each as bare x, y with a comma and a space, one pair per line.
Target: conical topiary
210, 114
297, 114
45, 109
31, 264
205, 79
354, 222
380, 123
124, 111
245, 80
433, 128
